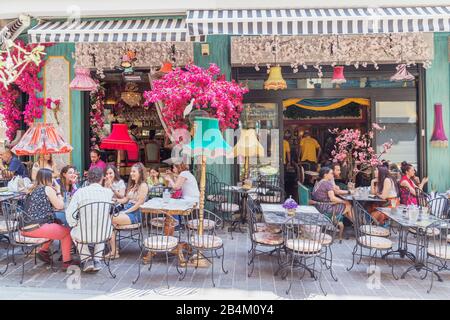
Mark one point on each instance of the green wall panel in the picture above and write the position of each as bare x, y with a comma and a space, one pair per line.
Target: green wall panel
438, 90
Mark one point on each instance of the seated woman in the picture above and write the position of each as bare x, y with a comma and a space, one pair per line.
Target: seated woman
67, 182
154, 179
114, 182
41, 203
324, 192
45, 162
408, 194
185, 182
136, 195
385, 187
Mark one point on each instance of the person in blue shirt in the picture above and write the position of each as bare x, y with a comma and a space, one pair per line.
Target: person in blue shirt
15, 166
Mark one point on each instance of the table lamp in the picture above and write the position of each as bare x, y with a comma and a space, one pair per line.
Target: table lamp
208, 143
119, 139
248, 146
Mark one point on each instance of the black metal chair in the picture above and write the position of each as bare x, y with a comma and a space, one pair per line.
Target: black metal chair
267, 193
158, 238
94, 228
272, 180
334, 212
212, 195
437, 249
205, 245
155, 192
422, 197
228, 205
305, 249
262, 235
365, 229
437, 207
16, 220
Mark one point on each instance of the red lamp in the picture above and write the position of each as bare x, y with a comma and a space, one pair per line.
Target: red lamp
119, 139
338, 75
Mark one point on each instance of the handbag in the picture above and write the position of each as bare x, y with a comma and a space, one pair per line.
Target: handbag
177, 194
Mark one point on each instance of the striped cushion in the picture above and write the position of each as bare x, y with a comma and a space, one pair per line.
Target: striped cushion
264, 227
165, 243
229, 207
207, 224
127, 226
159, 222
374, 230
3, 227
206, 241
307, 246
430, 231
442, 251
29, 240
375, 242
268, 238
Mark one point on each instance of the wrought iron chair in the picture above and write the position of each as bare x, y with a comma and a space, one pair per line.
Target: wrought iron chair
328, 241
422, 197
212, 196
229, 204
262, 235
94, 228
334, 212
273, 180
158, 238
205, 246
15, 220
437, 207
437, 249
366, 238
267, 193
305, 249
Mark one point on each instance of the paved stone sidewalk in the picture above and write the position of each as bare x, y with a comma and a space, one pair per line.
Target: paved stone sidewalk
42, 283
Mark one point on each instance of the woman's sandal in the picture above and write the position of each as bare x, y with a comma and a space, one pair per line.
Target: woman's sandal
110, 256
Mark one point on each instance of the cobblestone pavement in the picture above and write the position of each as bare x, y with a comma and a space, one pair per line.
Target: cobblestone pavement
41, 282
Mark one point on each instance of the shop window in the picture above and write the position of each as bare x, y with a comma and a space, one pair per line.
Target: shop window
400, 120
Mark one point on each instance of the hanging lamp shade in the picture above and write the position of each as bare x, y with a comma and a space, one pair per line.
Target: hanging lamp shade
338, 75
439, 138
248, 145
208, 140
83, 80
275, 80
41, 138
119, 139
402, 74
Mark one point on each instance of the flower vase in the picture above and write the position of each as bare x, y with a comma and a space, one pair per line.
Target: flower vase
290, 212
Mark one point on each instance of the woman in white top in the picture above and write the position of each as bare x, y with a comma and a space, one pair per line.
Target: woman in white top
45, 162
114, 182
185, 182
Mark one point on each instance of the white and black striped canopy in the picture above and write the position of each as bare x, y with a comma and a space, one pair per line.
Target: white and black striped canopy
142, 30
319, 21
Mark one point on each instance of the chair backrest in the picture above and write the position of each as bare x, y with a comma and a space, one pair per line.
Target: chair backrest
14, 217
155, 192
437, 243
273, 180
211, 222
252, 210
422, 197
438, 207
364, 225
304, 195
155, 231
228, 199
152, 153
305, 238
267, 193
94, 223
211, 180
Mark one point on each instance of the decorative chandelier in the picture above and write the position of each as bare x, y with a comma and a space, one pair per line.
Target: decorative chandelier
131, 96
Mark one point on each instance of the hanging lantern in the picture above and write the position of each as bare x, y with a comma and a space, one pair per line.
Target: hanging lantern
438, 139
402, 74
338, 75
275, 80
83, 80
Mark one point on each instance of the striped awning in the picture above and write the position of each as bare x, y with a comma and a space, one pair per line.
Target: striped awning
319, 21
143, 30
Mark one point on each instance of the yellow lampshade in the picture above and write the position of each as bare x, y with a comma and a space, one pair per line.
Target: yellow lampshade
248, 145
275, 80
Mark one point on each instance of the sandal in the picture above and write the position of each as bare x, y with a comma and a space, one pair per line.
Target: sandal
111, 256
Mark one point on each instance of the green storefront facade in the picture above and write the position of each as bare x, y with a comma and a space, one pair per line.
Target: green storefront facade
436, 87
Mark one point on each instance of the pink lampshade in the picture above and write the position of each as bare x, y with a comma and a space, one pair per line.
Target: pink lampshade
402, 74
119, 139
338, 75
438, 139
83, 80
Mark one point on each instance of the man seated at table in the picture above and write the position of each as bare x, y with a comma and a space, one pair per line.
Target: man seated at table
337, 186
94, 192
15, 166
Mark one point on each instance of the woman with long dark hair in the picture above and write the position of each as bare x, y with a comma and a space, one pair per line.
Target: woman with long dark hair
136, 194
408, 184
114, 182
385, 187
42, 201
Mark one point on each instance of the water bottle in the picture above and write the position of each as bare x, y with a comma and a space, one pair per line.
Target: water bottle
166, 195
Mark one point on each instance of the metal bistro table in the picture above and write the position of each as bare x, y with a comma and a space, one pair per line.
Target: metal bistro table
362, 198
401, 216
276, 214
244, 193
172, 207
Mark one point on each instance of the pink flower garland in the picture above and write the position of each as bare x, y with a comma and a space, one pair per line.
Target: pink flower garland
28, 82
222, 99
96, 119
